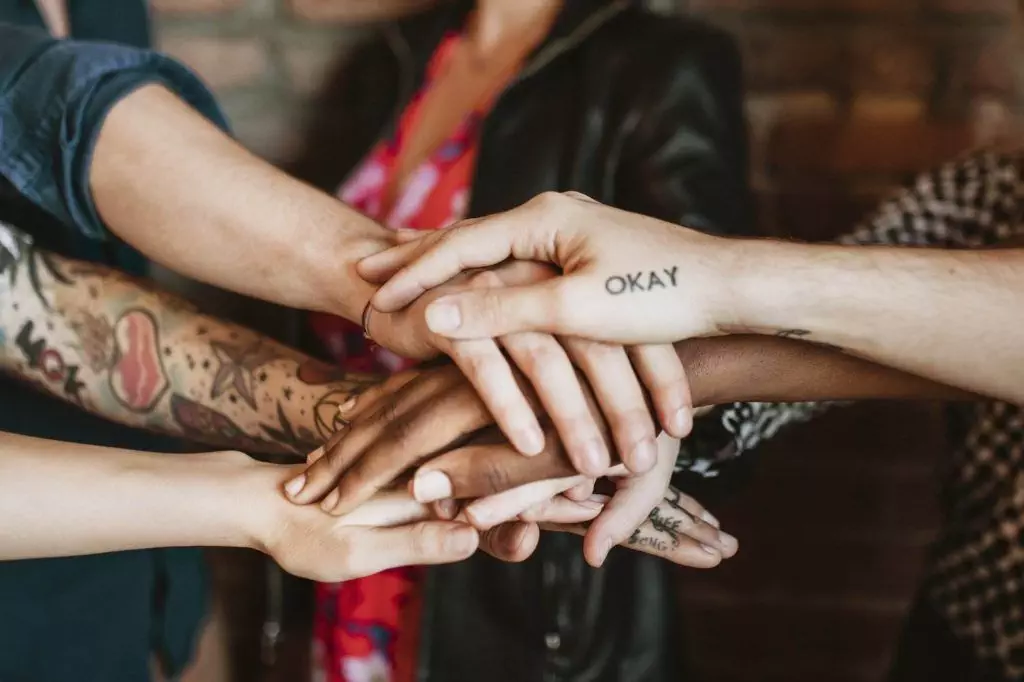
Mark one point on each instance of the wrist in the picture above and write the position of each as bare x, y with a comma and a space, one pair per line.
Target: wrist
768, 287
343, 292
259, 511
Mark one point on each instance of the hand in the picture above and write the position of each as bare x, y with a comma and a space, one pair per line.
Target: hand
614, 374
404, 421
388, 531
626, 278
431, 412
678, 528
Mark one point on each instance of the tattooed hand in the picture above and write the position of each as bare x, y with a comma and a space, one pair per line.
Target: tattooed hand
678, 528
625, 278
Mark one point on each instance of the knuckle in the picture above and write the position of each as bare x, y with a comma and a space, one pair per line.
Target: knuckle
549, 200
495, 477
426, 540
538, 353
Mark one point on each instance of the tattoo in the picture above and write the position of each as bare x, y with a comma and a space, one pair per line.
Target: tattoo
662, 530
144, 358
805, 336
95, 339
236, 368
137, 376
17, 248
300, 440
641, 281
326, 414
49, 362
202, 424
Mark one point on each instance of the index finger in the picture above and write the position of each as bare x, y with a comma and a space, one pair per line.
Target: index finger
419, 266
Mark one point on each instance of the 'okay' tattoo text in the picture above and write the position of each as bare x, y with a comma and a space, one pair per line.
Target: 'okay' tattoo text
642, 280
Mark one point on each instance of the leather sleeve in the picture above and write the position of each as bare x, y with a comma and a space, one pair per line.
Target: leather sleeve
685, 151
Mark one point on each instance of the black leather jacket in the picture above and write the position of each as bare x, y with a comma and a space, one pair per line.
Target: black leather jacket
635, 110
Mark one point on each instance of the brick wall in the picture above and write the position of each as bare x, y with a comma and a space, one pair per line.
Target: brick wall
846, 99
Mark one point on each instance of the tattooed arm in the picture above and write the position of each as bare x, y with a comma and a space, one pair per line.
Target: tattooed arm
125, 351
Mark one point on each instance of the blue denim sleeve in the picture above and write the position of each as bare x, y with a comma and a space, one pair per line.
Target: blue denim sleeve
54, 97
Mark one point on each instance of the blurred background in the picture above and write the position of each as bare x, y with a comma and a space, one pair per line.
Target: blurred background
846, 99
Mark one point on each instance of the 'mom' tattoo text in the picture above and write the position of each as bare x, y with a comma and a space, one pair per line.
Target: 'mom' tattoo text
644, 280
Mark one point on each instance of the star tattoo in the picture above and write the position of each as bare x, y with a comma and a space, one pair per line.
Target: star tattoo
235, 369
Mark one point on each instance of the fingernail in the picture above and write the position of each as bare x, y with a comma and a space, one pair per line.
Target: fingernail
331, 501
709, 518
595, 458
447, 509
709, 549
728, 542
346, 406
606, 546
645, 456
314, 456
531, 441
461, 541
443, 317
431, 486
599, 499
682, 421
295, 486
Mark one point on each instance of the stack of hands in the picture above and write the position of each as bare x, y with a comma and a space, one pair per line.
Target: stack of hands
566, 340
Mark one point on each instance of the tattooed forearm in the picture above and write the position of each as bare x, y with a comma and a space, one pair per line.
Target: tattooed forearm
120, 348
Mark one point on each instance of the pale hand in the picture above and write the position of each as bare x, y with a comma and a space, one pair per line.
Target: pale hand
626, 278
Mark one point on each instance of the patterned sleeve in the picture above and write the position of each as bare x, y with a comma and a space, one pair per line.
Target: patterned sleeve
971, 203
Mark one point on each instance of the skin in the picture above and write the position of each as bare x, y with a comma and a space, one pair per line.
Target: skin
119, 348
703, 285
61, 499
301, 249
395, 427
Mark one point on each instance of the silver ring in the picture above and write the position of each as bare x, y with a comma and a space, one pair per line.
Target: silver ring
365, 321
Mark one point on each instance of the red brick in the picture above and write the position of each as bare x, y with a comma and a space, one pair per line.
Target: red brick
791, 59
984, 67
816, 6
819, 213
890, 62
308, 66
1005, 9
353, 10
864, 146
829, 58
221, 62
195, 6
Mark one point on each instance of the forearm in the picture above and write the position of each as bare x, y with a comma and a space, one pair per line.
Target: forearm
742, 368
175, 187
123, 350
945, 315
63, 499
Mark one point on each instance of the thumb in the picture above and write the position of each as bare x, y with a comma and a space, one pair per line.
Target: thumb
494, 312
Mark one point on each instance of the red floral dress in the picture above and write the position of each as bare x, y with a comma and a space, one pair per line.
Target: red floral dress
366, 630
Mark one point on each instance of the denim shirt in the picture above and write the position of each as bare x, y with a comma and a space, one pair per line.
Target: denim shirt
96, 618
